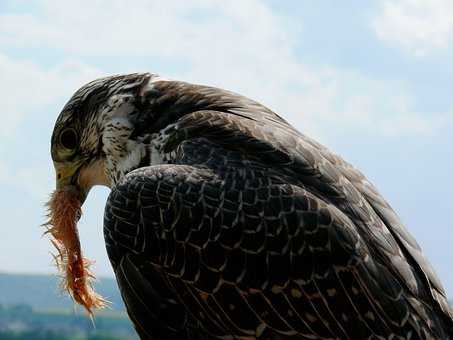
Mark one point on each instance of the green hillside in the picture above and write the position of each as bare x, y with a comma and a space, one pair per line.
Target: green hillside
41, 291
31, 307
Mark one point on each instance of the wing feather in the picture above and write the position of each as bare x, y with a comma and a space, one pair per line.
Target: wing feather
235, 269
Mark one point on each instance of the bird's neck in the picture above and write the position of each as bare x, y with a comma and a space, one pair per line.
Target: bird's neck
136, 153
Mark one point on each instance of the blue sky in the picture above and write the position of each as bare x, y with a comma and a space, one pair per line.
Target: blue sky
371, 80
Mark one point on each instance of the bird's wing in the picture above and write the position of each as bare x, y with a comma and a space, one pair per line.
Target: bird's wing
384, 211
331, 179
241, 252
134, 249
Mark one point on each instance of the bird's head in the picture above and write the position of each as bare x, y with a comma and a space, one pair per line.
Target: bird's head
93, 142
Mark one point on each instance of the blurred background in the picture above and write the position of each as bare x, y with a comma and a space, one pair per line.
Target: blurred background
372, 80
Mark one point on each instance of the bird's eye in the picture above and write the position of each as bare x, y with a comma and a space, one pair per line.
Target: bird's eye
68, 139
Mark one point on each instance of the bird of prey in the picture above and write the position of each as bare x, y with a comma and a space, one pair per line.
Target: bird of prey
225, 222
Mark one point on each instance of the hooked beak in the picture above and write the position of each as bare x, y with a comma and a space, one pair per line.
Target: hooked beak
68, 176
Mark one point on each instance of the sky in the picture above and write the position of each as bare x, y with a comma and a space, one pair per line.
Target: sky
372, 80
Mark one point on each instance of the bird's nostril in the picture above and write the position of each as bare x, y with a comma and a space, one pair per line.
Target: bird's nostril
59, 176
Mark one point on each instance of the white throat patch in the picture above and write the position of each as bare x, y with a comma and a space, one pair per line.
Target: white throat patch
124, 155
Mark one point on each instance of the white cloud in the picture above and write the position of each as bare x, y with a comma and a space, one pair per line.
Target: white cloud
26, 87
147, 28
418, 26
219, 44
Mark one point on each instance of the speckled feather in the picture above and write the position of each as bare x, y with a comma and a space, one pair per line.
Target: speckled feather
253, 230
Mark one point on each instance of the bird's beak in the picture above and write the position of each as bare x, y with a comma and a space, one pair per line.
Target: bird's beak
67, 176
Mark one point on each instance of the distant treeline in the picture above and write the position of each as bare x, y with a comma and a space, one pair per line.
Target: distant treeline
24, 322
41, 291
32, 307
50, 335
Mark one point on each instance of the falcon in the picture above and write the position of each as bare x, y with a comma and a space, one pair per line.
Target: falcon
225, 222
